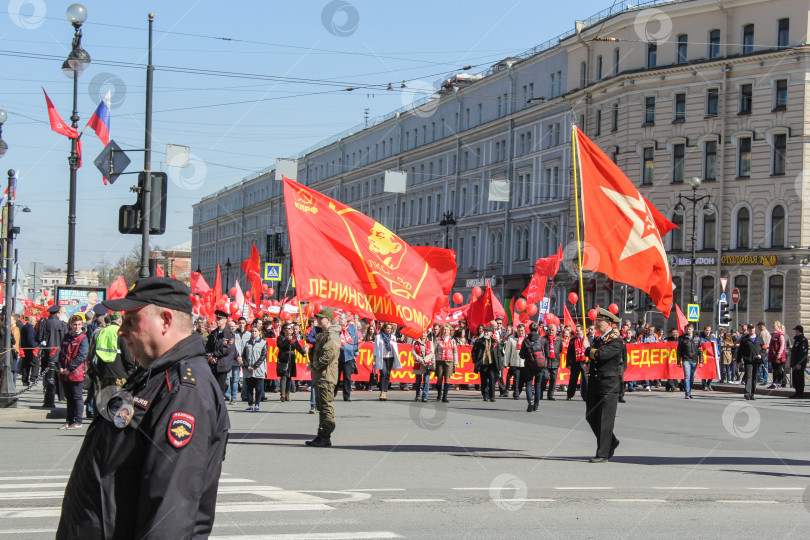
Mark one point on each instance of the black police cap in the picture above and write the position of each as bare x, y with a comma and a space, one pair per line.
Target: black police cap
160, 291
220, 314
53, 309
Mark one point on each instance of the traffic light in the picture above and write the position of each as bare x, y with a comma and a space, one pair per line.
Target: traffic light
629, 299
129, 215
278, 249
725, 316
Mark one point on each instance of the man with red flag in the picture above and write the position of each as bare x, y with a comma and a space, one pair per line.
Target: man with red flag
621, 226
349, 261
485, 309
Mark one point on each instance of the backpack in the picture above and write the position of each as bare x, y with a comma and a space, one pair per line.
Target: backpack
538, 357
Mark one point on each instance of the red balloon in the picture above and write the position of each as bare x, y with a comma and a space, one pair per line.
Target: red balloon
284, 315
521, 304
232, 292
592, 314
50, 302
249, 294
613, 308
573, 297
458, 298
531, 310
524, 318
264, 286
477, 291
45, 293
314, 308
269, 291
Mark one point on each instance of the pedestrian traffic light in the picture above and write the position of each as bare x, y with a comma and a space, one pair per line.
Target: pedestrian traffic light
129, 215
725, 316
629, 299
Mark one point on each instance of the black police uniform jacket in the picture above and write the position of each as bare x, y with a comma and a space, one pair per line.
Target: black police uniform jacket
606, 363
52, 331
222, 344
157, 476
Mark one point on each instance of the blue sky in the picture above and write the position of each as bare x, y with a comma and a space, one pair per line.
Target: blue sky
267, 82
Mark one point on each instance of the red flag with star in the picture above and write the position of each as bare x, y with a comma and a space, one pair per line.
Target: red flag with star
620, 225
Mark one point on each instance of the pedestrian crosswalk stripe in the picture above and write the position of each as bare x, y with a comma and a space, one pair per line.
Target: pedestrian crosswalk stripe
362, 535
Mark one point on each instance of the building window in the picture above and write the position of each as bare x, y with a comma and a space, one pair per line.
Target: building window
743, 228
783, 33
744, 158
707, 293
676, 234
615, 61
746, 98
778, 226
712, 99
780, 95
682, 44
614, 122
652, 54
779, 153
647, 166
710, 161
748, 39
599, 67
741, 283
776, 292
714, 43
710, 231
598, 122
480, 114
678, 153
583, 68
473, 251
680, 107
649, 111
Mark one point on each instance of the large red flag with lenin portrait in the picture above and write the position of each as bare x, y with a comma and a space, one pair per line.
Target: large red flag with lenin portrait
345, 259
620, 225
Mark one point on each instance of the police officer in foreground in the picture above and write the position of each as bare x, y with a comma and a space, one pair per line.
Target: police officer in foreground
221, 349
324, 367
149, 466
605, 354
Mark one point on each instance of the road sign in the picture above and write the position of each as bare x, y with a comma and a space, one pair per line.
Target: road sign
272, 272
735, 295
692, 312
112, 161
723, 298
723, 283
544, 305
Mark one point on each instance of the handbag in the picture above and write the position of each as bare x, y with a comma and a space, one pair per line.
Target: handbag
372, 378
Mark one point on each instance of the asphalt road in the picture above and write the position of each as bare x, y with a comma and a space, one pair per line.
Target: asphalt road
712, 467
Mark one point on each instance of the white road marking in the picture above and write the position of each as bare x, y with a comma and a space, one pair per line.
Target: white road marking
779, 488
235, 480
582, 488
5, 478
484, 488
636, 500
26, 531
412, 500
507, 500
375, 489
679, 487
34, 486
741, 501
363, 535
13, 513
33, 495
258, 506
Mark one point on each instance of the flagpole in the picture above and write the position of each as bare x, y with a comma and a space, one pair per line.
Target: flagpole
575, 162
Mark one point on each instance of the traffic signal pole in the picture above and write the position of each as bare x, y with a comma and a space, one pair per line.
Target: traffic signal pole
146, 188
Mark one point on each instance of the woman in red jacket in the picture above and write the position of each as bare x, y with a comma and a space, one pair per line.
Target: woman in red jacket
776, 355
72, 363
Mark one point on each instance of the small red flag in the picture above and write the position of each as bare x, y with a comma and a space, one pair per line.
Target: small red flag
536, 289
159, 271
682, 322
568, 320
57, 124
117, 289
484, 310
253, 272
198, 284
549, 266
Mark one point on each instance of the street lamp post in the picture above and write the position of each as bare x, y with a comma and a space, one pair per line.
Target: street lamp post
679, 209
3, 145
8, 392
447, 222
228, 275
77, 61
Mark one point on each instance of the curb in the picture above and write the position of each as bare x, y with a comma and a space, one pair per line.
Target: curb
760, 391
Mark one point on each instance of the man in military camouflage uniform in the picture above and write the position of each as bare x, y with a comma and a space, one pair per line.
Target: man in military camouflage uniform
604, 383
324, 366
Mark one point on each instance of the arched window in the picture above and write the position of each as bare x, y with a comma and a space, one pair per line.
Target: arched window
525, 244
546, 242
552, 248
776, 290
707, 293
741, 284
518, 244
743, 228
710, 231
676, 235
499, 253
778, 226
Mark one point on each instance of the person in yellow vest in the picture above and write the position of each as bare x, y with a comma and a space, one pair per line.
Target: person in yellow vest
112, 362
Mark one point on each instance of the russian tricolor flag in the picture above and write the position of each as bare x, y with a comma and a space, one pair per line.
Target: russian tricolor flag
100, 121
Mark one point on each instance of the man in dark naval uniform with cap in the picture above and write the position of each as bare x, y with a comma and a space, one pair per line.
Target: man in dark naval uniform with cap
149, 466
604, 384
221, 349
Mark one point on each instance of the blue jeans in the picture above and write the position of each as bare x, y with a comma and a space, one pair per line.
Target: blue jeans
762, 373
232, 384
689, 369
423, 383
312, 395
534, 386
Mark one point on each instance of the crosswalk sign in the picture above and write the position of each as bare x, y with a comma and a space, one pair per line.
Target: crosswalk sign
272, 272
693, 312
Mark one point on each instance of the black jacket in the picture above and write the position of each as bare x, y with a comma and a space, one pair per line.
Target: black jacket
798, 352
52, 331
748, 351
478, 353
606, 354
28, 336
286, 356
156, 477
222, 346
532, 340
689, 349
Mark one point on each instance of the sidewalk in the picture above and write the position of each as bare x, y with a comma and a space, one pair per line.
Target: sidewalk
762, 390
29, 406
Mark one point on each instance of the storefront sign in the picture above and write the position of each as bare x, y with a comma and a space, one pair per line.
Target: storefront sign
675, 261
764, 260
480, 282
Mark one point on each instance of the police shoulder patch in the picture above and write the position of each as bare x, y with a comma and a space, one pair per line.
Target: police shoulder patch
181, 429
